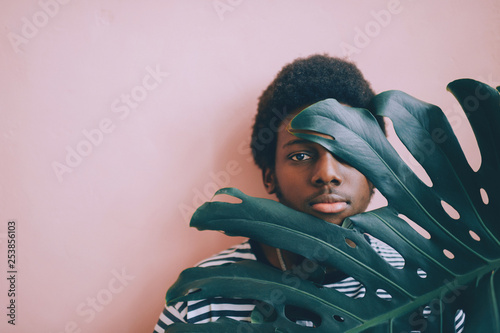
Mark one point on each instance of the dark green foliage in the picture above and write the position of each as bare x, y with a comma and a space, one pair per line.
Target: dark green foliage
469, 281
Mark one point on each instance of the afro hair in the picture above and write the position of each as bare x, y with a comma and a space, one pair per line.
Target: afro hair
299, 84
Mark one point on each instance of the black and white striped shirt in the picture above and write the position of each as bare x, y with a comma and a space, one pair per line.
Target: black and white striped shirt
209, 310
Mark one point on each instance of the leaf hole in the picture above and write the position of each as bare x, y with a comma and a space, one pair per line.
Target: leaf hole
406, 155
352, 288
452, 212
338, 318
300, 315
448, 254
322, 135
382, 294
427, 311
193, 291
393, 257
421, 273
484, 196
460, 317
222, 197
474, 236
350, 243
424, 233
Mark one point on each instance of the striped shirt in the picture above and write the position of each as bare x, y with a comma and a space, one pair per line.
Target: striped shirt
209, 310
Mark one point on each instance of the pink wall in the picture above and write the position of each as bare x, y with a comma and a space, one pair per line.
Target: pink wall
102, 238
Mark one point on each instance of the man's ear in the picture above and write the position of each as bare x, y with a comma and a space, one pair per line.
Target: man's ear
269, 179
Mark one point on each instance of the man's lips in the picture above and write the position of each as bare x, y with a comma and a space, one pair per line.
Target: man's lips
330, 207
328, 204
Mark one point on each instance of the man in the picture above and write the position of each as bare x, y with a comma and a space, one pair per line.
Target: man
303, 175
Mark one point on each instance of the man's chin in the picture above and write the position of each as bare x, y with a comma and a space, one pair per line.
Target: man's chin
330, 218
335, 221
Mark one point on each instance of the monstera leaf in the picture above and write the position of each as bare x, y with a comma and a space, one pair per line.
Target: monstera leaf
454, 268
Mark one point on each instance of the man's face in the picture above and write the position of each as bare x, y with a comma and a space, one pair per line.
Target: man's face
310, 179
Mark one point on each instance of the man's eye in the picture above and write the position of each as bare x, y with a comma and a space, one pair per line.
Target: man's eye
300, 157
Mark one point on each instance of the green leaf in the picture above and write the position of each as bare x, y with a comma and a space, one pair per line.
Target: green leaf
469, 281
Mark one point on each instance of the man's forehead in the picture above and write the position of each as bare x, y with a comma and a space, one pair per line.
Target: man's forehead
296, 141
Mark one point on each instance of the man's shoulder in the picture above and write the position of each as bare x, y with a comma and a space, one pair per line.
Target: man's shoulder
239, 252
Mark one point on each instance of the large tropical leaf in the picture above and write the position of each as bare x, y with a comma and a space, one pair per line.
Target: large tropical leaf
457, 268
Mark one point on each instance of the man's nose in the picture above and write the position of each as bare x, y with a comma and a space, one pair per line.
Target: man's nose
327, 170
